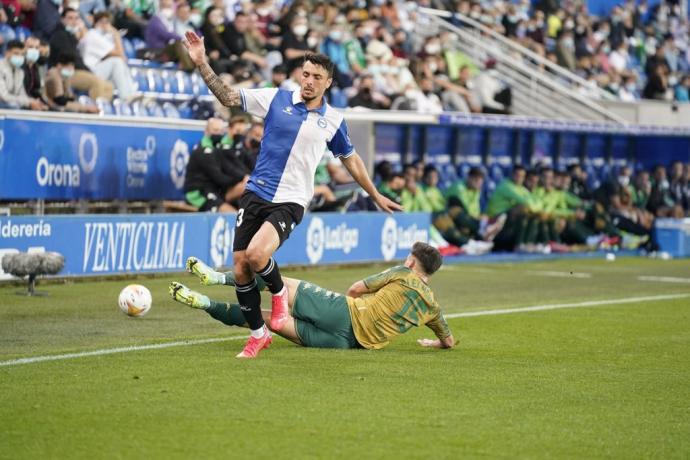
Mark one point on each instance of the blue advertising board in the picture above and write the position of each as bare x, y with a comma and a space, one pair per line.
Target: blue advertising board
112, 244
62, 160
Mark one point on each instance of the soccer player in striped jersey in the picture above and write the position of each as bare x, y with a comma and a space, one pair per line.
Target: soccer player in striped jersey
299, 127
374, 311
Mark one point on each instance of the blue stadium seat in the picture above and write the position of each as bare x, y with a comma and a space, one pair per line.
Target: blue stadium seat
138, 43
155, 80
22, 33
130, 52
170, 111
155, 110
137, 109
141, 80
122, 108
496, 172
7, 32
105, 106
172, 84
186, 112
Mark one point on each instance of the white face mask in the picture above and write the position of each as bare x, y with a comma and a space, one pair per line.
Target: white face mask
263, 11
312, 42
32, 55
432, 48
300, 30
167, 13
336, 35
195, 19
623, 180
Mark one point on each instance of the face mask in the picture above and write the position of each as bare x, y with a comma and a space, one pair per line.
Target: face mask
216, 138
433, 67
237, 138
66, 73
195, 19
300, 30
569, 24
569, 43
631, 87
432, 48
71, 29
475, 14
410, 94
73, 5
263, 11
57, 2
672, 80
606, 49
312, 42
217, 21
167, 13
614, 86
336, 35
623, 181
255, 143
32, 55
17, 61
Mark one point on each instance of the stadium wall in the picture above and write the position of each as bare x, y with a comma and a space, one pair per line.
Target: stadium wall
154, 243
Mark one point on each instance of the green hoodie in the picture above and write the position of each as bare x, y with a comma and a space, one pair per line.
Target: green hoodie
508, 195
468, 197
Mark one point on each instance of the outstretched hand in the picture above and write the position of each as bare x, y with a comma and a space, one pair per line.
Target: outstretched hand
195, 47
386, 204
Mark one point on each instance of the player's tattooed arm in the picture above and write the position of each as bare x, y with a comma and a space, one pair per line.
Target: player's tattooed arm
225, 94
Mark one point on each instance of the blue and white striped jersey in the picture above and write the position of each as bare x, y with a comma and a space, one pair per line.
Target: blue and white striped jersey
294, 141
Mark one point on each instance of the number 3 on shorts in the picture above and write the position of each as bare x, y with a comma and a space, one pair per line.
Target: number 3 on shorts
240, 214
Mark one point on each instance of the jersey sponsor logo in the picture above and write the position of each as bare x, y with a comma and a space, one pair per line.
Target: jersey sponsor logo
282, 225
321, 237
395, 238
221, 242
288, 110
322, 122
88, 152
179, 158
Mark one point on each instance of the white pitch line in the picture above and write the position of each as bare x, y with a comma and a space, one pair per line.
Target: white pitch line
556, 274
156, 346
110, 351
664, 279
590, 303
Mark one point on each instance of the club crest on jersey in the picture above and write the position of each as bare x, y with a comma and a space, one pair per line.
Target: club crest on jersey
321, 122
288, 110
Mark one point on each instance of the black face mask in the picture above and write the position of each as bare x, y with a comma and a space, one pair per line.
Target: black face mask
255, 143
216, 138
237, 138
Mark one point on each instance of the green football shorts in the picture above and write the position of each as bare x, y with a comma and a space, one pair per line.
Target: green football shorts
322, 318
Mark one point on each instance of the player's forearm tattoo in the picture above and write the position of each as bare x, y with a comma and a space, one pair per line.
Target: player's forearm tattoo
226, 95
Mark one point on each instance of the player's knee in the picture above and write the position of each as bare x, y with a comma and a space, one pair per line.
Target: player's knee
257, 257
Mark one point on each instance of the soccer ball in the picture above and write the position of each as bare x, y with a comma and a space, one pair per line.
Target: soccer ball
135, 300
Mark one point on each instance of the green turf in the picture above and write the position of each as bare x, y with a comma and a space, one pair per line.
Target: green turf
607, 381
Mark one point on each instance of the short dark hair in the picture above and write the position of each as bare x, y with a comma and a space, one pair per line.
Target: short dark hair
66, 58
430, 168
15, 44
102, 15
517, 168
68, 10
320, 60
428, 256
385, 170
476, 171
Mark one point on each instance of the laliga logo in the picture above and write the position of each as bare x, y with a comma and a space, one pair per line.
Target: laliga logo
389, 239
179, 157
88, 156
315, 240
221, 242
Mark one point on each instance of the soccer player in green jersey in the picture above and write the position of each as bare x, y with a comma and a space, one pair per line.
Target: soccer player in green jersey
374, 311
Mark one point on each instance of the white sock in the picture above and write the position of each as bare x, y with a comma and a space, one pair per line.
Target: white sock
258, 333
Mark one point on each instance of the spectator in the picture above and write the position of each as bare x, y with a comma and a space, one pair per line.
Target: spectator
278, 76
642, 188
132, 15
657, 85
678, 187
294, 43
457, 96
65, 40
628, 92
494, 96
245, 149
619, 58
32, 71
162, 39
234, 38
59, 88
182, 22
421, 99
47, 18
661, 202
367, 97
205, 183
102, 51
565, 50
213, 29
12, 92
578, 182
334, 47
87, 8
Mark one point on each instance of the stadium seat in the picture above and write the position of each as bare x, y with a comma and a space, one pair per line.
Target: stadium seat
122, 108
105, 106
22, 33
130, 52
138, 109
138, 43
156, 83
155, 110
170, 111
172, 84
7, 32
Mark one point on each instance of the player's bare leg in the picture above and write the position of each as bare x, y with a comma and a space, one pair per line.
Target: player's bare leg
260, 252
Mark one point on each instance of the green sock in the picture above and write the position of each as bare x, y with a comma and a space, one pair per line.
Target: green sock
230, 281
229, 314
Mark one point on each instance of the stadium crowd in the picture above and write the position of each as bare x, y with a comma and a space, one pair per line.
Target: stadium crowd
382, 61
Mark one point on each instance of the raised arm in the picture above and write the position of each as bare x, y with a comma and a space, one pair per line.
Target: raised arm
225, 94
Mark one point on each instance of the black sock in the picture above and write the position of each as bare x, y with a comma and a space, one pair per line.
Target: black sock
271, 275
230, 314
250, 303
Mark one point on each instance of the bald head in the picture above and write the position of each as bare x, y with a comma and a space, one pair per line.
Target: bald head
215, 126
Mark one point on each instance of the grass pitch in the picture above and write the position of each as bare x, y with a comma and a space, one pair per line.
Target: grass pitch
606, 380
